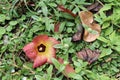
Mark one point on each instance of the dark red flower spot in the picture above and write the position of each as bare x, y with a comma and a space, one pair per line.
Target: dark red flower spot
41, 48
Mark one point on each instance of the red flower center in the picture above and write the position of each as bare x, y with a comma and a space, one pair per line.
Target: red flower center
41, 48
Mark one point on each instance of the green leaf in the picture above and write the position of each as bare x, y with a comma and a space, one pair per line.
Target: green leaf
70, 24
105, 52
117, 48
67, 16
2, 31
44, 9
105, 25
56, 63
113, 37
103, 39
62, 26
49, 72
35, 28
105, 7
75, 76
69, 30
109, 31
9, 28
38, 77
58, 46
13, 23
2, 17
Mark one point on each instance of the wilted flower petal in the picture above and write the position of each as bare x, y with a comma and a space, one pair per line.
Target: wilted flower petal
68, 68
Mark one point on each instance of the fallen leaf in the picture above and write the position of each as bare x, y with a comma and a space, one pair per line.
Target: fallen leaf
56, 27
78, 35
68, 68
63, 9
88, 55
95, 7
92, 29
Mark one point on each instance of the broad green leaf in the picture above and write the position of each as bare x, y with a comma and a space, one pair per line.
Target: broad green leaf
117, 48
9, 28
113, 37
44, 9
104, 77
69, 30
38, 77
76, 9
109, 30
105, 52
105, 7
56, 63
62, 26
2, 31
36, 18
2, 17
64, 1
67, 16
75, 76
70, 24
58, 46
52, 4
103, 15
105, 25
35, 28
13, 23
103, 39
49, 72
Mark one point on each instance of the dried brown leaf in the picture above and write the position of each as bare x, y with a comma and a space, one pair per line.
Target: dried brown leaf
88, 55
63, 9
95, 7
56, 27
87, 19
78, 35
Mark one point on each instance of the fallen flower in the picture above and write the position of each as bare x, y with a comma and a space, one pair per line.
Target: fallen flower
68, 68
88, 55
63, 9
88, 22
41, 50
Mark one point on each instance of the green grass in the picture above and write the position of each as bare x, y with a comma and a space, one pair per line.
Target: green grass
22, 20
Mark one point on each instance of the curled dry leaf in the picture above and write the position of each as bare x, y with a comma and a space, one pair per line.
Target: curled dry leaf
78, 35
63, 9
95, 7
56, 27
87, 20
88, 55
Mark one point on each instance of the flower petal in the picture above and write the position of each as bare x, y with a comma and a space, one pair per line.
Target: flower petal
68, 68
30, 51
39, 61
40, 39
51, 54
53, 41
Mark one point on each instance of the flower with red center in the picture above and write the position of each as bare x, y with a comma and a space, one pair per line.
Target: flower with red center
41, 50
